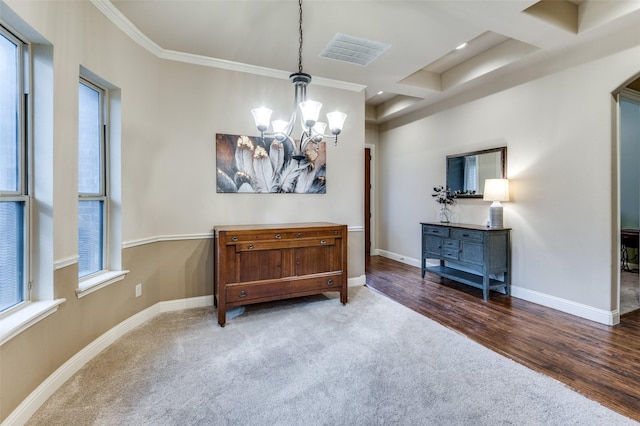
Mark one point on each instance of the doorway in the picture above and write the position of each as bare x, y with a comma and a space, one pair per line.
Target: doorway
629, 186
369, 213
367, 202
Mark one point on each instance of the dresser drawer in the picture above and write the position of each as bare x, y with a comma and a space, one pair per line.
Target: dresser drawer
450, 249
465, 234
279, 235
284, 244
325, 283
247, 292
435, 230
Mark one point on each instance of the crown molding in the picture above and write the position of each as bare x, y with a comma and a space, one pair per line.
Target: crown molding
125, 25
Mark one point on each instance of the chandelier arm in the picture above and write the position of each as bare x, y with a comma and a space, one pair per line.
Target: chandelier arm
293, 144
292, 124
279, 137
305, 139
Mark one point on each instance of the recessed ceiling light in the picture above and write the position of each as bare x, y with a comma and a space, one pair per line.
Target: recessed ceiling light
380, 93
462, 46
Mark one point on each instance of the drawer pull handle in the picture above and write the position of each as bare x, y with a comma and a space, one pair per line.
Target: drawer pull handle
465, 235
250, 246
299, 235
234, 239
243, 294
330, 282
323, 242
278, 236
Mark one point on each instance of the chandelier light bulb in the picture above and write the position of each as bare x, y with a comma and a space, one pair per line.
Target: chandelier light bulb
318, 131
279, 128
336, 121
262, 116
310, 112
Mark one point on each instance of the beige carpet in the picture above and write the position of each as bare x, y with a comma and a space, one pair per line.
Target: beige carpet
311, 361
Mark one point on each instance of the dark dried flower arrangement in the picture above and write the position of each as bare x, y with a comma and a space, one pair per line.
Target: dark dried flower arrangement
444, 195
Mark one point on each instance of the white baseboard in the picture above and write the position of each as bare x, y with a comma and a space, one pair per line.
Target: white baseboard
357, 281
400, 258
584, 311
30, 405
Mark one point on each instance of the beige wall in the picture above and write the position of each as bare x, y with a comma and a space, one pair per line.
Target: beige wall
171, 112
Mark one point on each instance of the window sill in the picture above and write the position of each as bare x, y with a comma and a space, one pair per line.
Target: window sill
18, 321
92, 284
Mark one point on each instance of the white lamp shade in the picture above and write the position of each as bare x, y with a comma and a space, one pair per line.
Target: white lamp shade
262, 116
319, 127
279, 126
496, 190
318, 131
336, 121
310, 112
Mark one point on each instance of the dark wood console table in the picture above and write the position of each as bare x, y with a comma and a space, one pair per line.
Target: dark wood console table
260, 263
471, 254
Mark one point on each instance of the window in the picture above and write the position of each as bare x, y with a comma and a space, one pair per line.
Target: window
92, 182
14, 194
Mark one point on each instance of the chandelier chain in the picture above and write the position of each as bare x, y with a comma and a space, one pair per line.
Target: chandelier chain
300, 37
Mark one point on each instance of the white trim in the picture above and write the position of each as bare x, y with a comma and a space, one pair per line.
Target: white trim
67, 261
584, 311
124, 24
207, 61
191, 303
357, 281
182, 237
160, 238
119, 20
30, 405
629, 94
400, 258
18, 321
102, 280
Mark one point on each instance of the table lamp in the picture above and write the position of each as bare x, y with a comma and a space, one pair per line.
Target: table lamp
496, 190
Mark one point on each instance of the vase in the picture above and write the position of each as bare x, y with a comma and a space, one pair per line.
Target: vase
444, 214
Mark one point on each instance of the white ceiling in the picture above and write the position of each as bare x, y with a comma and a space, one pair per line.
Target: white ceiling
420, 68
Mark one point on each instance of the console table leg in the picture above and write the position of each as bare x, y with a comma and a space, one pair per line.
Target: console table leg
222, 316
485, 287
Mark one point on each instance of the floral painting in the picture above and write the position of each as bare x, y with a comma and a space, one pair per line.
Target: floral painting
251, 164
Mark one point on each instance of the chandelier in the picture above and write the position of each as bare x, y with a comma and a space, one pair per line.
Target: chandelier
312, 129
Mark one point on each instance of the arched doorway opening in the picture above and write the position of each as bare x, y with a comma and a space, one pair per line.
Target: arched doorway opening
628, 131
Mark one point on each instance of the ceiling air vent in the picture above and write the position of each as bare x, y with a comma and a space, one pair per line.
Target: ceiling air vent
354, 50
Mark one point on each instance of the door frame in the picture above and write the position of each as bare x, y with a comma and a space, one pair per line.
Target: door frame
372, 200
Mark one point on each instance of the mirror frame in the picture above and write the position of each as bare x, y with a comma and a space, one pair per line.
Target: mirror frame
503, 169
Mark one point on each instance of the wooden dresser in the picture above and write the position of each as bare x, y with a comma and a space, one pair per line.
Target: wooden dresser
470, 254
260, 263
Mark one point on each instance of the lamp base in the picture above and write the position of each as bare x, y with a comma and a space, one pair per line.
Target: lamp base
495, 217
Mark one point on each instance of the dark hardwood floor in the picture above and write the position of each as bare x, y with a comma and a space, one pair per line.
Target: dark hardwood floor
601, 362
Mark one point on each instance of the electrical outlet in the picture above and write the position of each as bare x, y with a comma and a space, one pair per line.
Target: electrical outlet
139, 290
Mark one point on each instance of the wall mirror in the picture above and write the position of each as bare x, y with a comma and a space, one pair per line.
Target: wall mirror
466, 172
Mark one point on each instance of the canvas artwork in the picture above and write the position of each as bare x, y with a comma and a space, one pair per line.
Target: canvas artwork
251, 164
